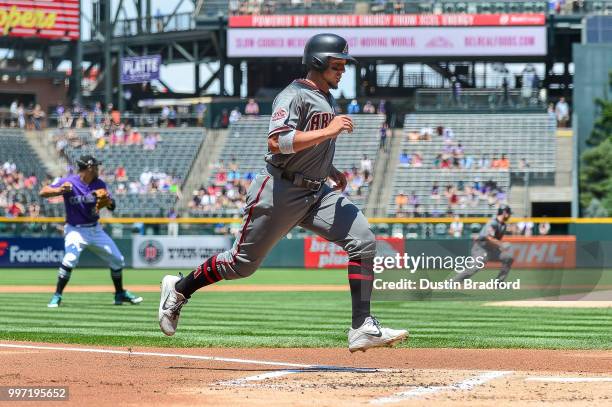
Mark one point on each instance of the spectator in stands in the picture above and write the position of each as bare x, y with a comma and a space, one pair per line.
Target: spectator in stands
353, 107
15, 209
235, 115
417, 160
13, 110
30, 182
544, 228
384, 133
401, 204
524, 228
456, 90
172, 117
467, 162
456, 227
200, 111
38, 116
120, 174
405, 159
562, 112
382, 107
369, 108
426, 133
150, 141
484, 162
504, 163
101, 143
415, 203
523, 164
252, 108
435, 191
234, 7
121, 189
165, 113
366, 168
224, 119
21, 116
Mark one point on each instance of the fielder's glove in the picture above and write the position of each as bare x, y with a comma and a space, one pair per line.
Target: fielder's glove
103, 200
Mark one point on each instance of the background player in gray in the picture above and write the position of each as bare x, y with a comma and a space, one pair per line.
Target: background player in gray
490, 246
82, 229
291, 191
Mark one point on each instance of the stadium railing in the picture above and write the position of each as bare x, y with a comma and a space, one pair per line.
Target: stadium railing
469, 99
408, 228
216, 8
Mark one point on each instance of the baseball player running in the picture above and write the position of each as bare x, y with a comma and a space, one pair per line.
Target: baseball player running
291, 191
84, 195
490, 246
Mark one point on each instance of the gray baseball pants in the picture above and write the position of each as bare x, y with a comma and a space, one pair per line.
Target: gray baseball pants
275, 206
492, 253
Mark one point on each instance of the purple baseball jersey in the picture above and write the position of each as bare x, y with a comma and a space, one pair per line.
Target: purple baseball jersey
80, 203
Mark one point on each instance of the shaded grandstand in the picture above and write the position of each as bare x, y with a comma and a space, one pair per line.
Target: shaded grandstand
527, 141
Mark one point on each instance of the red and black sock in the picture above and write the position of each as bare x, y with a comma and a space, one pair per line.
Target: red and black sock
361, 280
205, 274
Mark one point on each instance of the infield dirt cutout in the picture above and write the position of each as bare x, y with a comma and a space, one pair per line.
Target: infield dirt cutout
102, 376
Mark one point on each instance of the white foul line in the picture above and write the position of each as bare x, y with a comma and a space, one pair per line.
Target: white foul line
157, 354
467, 384
568, 379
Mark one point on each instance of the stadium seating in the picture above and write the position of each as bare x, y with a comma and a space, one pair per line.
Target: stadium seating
526, 136
246, 144
174, 155
15, 148
518, 136
420, 181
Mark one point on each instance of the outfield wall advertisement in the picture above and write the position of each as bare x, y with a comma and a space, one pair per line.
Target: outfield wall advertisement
31, 252
176, 252
319, 253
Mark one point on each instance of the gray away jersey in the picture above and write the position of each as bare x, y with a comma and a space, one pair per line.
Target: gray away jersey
301, 106
494, 229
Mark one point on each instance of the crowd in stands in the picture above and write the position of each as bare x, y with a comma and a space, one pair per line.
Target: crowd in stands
228, 188
460, 195
31, 117
15, 190
453, 155
148, 182
226, 192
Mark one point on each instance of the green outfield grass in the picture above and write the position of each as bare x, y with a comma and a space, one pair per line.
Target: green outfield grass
282, 319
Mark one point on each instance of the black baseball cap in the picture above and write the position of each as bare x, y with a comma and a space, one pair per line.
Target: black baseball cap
87, 161
504, 209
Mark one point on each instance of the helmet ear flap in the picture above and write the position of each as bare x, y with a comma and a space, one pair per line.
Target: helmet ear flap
317, 63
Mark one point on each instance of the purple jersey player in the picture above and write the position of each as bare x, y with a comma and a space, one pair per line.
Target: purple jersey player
82, 229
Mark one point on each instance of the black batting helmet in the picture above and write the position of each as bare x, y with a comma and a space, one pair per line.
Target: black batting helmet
319, 48
86, 161
504, 209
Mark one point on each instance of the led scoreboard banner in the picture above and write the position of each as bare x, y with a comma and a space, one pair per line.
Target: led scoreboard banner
50, 19
406, 35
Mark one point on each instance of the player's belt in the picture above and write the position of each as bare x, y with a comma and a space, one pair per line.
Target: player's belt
301, 181
85, 225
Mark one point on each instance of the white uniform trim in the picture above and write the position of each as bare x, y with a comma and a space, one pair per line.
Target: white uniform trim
76, 239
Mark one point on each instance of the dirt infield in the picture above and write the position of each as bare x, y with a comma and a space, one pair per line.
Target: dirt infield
240, 377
